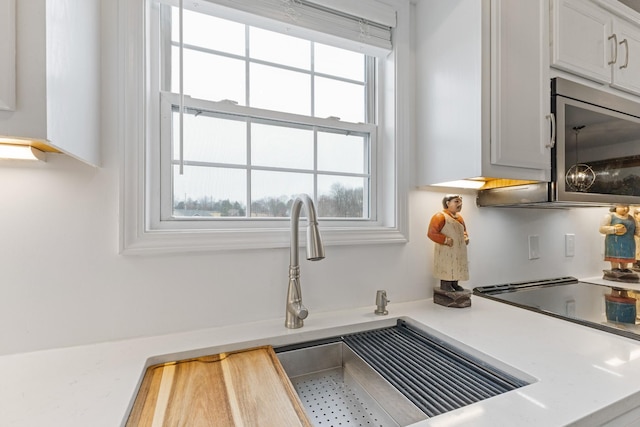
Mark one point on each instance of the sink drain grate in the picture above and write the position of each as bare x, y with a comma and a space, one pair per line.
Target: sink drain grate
435, 376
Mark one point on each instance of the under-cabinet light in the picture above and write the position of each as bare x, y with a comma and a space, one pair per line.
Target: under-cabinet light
463, 183
21, 152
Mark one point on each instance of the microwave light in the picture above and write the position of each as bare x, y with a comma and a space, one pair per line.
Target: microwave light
21, 152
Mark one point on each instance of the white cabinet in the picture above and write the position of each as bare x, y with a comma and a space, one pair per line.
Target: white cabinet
579, 39
57, 77
593, 42
483, 90
626, 67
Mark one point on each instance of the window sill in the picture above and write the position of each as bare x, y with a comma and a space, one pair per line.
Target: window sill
172, 242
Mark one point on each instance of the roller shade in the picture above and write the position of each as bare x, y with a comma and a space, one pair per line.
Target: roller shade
364, 26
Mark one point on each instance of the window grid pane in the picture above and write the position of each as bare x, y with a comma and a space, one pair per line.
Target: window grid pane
242, 166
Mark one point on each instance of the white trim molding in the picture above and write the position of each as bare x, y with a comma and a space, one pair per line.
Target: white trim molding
8, 55
138, 237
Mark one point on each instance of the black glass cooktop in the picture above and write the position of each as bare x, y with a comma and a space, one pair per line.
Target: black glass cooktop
566, 298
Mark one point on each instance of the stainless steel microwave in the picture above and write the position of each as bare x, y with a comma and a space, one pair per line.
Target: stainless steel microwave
596, 157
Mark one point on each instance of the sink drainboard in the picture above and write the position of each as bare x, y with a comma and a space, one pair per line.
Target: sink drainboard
432, 374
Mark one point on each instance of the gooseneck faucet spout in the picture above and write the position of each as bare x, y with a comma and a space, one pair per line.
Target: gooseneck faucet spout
296, 312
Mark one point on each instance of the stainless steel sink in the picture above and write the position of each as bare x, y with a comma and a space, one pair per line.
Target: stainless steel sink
337, 387
392, 376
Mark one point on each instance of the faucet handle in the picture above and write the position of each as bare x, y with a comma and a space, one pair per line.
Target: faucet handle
298, 310
296, 313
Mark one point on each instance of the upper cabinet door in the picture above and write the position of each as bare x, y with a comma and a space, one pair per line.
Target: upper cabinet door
582, 38
520, 99
626, 69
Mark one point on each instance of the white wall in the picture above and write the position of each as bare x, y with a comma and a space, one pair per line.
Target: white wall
63, 282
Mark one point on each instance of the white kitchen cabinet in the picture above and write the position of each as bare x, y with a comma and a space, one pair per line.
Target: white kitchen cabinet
579, 39
57, 78
626, 69
594, 42
483, 90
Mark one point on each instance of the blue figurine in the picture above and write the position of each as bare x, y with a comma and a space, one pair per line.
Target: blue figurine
620, 230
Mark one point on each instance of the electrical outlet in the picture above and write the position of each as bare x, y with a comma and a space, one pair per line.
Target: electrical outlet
569, 245
534, 247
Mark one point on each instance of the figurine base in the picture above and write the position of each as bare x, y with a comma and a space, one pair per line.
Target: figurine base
621, 276
456, 299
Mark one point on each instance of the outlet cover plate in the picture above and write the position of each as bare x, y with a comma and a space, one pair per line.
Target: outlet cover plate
534, 247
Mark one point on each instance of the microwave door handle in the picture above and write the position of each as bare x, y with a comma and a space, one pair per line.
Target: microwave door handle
614, 36
552, 140
626, 53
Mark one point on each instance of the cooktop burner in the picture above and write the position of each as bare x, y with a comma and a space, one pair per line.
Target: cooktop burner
576, 301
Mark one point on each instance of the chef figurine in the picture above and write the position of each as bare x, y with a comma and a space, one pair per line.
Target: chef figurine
620, 230
449, 233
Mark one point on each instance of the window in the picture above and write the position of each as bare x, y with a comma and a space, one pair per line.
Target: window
301, 121
245, 109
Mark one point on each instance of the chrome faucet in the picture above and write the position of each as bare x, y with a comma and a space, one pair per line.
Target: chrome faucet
296, 312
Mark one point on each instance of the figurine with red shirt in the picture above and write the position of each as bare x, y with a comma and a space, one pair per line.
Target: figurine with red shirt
449, 232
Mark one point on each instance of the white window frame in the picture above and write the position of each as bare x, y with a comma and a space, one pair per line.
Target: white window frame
164, 219
140, 234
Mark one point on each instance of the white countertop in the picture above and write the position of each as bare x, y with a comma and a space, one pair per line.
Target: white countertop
580, 372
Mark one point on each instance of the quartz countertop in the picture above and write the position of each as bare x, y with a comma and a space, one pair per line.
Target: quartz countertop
580, 374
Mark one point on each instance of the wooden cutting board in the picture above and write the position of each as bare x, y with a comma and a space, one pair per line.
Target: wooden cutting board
243, 388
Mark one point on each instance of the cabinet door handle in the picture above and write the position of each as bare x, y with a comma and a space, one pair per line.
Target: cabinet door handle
552, 140
615, 48
626, 54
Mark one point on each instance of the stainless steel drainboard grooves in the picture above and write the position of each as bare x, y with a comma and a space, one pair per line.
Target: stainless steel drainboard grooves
436, 377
